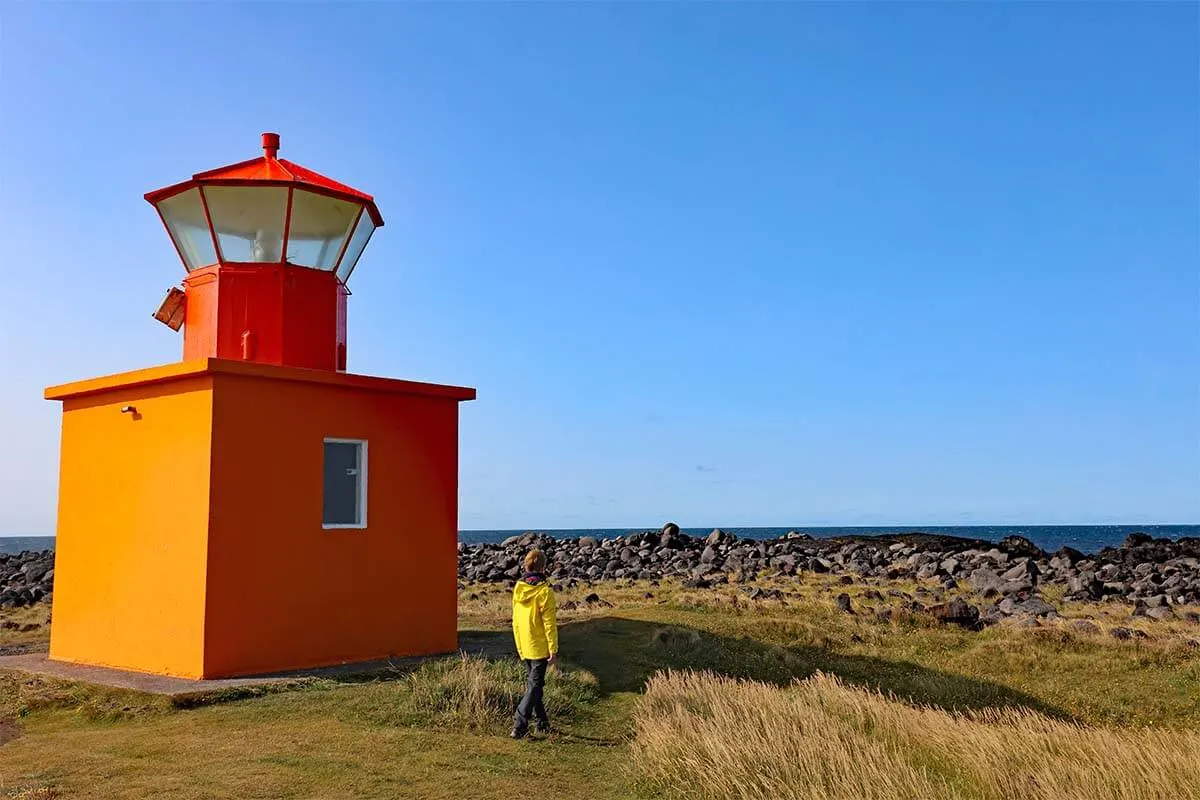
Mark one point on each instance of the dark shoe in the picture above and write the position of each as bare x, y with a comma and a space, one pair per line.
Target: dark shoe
517, 733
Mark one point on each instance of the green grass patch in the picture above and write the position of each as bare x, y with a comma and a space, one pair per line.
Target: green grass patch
469, 693
22, 695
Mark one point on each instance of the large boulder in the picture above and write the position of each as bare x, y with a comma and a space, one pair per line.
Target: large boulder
928, 571
1084, 586
1035, 607
1136, 540
1020, 546
985, 580
1023, 570
1069, 555
956, 612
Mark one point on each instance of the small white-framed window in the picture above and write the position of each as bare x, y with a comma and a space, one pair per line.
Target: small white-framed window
344, 497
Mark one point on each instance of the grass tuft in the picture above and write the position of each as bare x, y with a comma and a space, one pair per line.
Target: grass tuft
707, 737
471, 693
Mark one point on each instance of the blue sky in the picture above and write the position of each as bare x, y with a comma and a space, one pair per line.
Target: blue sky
734, 264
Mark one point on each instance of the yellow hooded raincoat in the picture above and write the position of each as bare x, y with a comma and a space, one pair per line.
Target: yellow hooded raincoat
535, 626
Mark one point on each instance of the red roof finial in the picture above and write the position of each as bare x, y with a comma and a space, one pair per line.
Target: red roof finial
270, 144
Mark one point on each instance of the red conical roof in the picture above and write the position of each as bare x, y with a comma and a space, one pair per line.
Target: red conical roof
268, 170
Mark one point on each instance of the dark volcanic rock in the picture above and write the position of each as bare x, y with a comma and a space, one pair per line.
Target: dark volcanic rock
1035, 607
928, 571
1136, 539
1069, 555
956, 612
1084, 586
1145, 572
843, 603
984, 579
1020, 546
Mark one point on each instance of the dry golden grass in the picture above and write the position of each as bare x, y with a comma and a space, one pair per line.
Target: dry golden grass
25, 626
706, 737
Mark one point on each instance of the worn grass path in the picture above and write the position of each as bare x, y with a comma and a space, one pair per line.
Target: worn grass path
364, 740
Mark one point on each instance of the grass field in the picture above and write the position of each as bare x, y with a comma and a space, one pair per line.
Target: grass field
439, 731
709, 737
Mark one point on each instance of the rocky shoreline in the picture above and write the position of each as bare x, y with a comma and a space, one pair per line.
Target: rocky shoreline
26, 578
1155, 576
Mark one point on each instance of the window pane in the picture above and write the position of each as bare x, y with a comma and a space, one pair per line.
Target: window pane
248, 221
343, 494
319, 227
184, 215
358, 241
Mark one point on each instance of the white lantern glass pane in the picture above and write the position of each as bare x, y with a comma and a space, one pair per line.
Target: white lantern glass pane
358, 241
248, 221
184, 215
319, 228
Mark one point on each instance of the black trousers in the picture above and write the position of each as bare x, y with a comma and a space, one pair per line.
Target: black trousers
531, 703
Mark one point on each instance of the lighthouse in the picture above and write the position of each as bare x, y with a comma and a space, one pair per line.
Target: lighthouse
255, 507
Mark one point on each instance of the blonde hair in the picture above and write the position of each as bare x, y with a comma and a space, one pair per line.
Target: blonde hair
535, 561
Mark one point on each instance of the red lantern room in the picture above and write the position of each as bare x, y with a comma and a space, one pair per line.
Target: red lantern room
268, 246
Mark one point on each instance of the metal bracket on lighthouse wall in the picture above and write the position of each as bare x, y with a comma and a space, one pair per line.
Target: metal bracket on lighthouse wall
248, 342
171, 311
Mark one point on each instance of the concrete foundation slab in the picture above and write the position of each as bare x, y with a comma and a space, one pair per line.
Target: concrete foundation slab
184, 689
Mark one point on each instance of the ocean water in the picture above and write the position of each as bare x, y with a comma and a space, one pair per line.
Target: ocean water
1085, 538
17, 544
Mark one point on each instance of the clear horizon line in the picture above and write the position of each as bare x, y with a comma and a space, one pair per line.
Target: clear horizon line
814, 526
858, 525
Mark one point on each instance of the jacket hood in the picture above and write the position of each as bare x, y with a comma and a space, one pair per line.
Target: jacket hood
529, 588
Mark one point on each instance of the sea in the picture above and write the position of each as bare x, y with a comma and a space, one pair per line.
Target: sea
1085, 538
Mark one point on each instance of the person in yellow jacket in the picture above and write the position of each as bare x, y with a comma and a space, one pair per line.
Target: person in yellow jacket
535, 629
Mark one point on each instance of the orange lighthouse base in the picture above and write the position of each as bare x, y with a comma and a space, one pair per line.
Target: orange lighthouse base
193, 530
